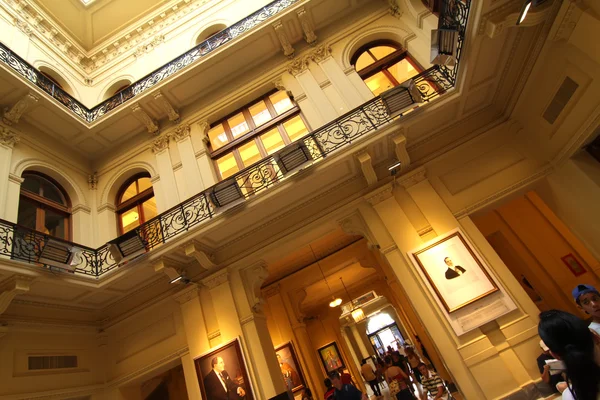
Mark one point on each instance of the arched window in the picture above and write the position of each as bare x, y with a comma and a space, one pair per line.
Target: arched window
44, 206
384, 65
379, 321
135, 203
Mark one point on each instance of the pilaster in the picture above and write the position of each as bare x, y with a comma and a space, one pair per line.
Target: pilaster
168, 185
193, 178
8, 139
205, 163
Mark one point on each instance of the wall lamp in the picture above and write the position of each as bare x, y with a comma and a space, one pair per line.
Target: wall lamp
127, 246
226, 192
401, 98
60, 255
526, 7
293, 157
444, 46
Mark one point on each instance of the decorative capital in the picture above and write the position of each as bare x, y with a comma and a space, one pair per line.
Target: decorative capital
279, 84
216, 279
93, 181
297, 66
395, 10
413, 177
8, 137
160, 143
181, 132
190, 292
321, 53
379, 195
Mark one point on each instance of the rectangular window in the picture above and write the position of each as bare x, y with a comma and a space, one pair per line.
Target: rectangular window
52, 362
254, 132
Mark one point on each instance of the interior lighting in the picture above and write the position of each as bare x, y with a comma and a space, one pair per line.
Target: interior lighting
60, 255
226, 192
358, 315
127, 246
335, 302
524, 11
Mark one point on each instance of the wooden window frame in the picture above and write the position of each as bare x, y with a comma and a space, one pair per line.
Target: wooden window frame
254, 132
42, 204
136, 202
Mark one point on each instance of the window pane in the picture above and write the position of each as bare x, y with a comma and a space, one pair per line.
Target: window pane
144, 183
281, 102
31, 184
249, 153
54, 224
380, 52
130, 219
27, 213
272, 141
51, 192
403, 71
260, 113
363, 61
227, 165
238, 125
129, 192
217, 137
379, 83
149, 207
295, 128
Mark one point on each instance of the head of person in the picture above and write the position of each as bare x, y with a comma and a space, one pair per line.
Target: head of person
388, 360
570, 340
409, 350
395, 356
336, 380
328, 383
218, 364
587, 299
340, 370
448, 261
423, 369
364, 361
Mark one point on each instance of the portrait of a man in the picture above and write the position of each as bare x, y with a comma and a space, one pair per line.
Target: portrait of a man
290, 368
453, 271
222, 374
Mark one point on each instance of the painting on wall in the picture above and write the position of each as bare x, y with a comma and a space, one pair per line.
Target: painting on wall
456, 274
571, 262
330, 357
222, 373
290, 368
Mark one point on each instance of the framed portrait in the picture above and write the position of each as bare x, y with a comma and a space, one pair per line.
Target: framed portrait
454, 271
575, 266
290, 367
222, 373
330, 357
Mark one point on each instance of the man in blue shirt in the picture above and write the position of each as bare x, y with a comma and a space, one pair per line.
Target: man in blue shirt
345, 391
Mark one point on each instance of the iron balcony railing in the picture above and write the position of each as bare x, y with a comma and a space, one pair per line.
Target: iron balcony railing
24, 69
27, 245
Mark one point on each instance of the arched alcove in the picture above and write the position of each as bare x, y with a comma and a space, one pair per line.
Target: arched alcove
209, 31
56, 78
115, 88
381, 33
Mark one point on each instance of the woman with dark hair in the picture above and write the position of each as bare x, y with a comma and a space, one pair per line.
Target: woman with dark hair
570, 340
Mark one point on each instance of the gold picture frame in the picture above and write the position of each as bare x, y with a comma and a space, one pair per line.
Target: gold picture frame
454, 271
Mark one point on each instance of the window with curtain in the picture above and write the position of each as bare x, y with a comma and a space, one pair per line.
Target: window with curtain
44, 206
383, 65
135, 203
254, 132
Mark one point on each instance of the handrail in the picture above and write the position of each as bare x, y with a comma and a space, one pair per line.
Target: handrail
174, 66
25, 244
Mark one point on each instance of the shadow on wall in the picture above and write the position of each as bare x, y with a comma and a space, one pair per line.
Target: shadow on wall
210, 31
169, 385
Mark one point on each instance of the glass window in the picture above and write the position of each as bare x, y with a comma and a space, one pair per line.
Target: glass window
249, 153
381, 52
137, 203
272, 141
260, 113
403, 71
364, 61
44, 206
238, 125
227, 165
218, 137
295, 128
281, 102
379, 83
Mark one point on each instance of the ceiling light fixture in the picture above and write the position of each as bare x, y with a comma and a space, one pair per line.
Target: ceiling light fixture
357, 313
524, 11
335, 302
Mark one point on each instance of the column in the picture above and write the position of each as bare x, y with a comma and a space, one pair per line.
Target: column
107, 224
193, 179
197, 337
168, 185
309, 352
299, 69
81, 218
12, 198
205, 163
364, 353
350, 346
335, 74
8, 139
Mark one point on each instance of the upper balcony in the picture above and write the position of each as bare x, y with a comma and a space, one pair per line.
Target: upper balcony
298, 158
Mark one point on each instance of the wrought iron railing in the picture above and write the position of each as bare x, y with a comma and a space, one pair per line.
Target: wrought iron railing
27, 245
28, 72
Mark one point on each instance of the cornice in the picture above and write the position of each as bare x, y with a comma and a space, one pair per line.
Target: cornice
216, 279
378, 195
413, 177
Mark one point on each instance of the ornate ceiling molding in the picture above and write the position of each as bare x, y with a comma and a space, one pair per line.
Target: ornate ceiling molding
307, 27
286, 46
413, 177
216, 279
160, 144
298, 65
381, 194
12, 115
144, 118
321, 53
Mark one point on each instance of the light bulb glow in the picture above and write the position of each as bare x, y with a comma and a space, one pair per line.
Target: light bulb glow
358, 315
524, 12
336, 302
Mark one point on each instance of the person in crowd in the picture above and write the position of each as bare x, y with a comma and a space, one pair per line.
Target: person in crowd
571, 341
414, 360
330, 389
397, 381
551, 380
588, 300
400, 361
432, 384
381, 368
369, 375
306, 394
345, 391
346, 377
424, 352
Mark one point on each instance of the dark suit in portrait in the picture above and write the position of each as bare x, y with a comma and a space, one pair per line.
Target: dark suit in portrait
215, 390
451, 273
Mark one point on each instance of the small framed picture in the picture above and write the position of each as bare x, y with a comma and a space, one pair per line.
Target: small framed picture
571, 262
331, 357
222, 373
290, 367
456, 274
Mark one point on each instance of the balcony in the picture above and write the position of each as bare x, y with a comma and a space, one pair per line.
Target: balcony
26, 245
